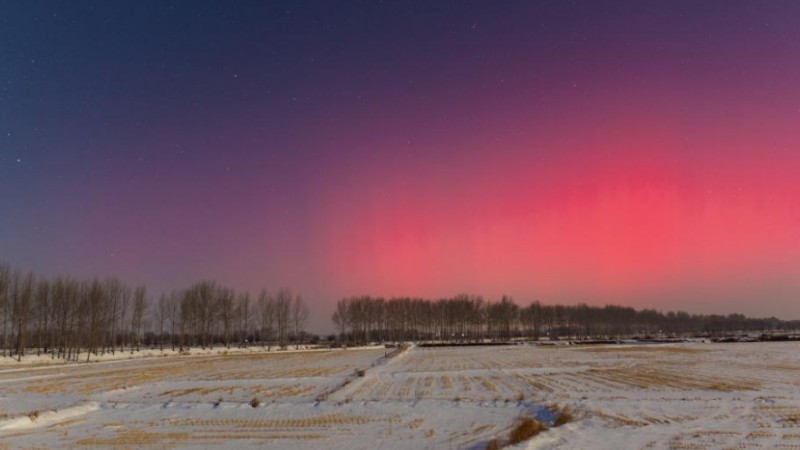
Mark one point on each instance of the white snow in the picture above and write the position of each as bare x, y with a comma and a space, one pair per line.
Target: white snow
696, 395
47, 418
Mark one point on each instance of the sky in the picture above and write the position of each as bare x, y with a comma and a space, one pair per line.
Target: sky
630, 152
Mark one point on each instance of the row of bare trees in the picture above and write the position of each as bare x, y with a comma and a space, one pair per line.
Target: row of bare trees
71, 319
469, 318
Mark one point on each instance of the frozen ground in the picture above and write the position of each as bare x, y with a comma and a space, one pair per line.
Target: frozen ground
684, 396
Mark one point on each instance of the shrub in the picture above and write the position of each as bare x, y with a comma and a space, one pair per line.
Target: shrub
255, 402
494, 444
33, 415
525, 429
564, 416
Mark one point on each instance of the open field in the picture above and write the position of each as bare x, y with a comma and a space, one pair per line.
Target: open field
685, 396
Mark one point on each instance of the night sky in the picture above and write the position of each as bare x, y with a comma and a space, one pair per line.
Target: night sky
640, 153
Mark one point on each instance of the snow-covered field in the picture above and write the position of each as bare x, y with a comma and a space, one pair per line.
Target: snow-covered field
678, 396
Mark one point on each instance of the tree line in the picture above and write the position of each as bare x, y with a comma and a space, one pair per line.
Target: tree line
70, 319
469, 318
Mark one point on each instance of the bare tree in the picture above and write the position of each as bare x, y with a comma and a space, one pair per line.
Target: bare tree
113, 289
299, 316
43, 315
124, 308
5, 275
205, 306
268, 308
21, 308
242, 313
225, 297
174, 307
138, 315
162, 314
283, 304
94, 310
340, 317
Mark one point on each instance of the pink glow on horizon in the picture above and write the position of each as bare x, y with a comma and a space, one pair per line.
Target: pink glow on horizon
625, 227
